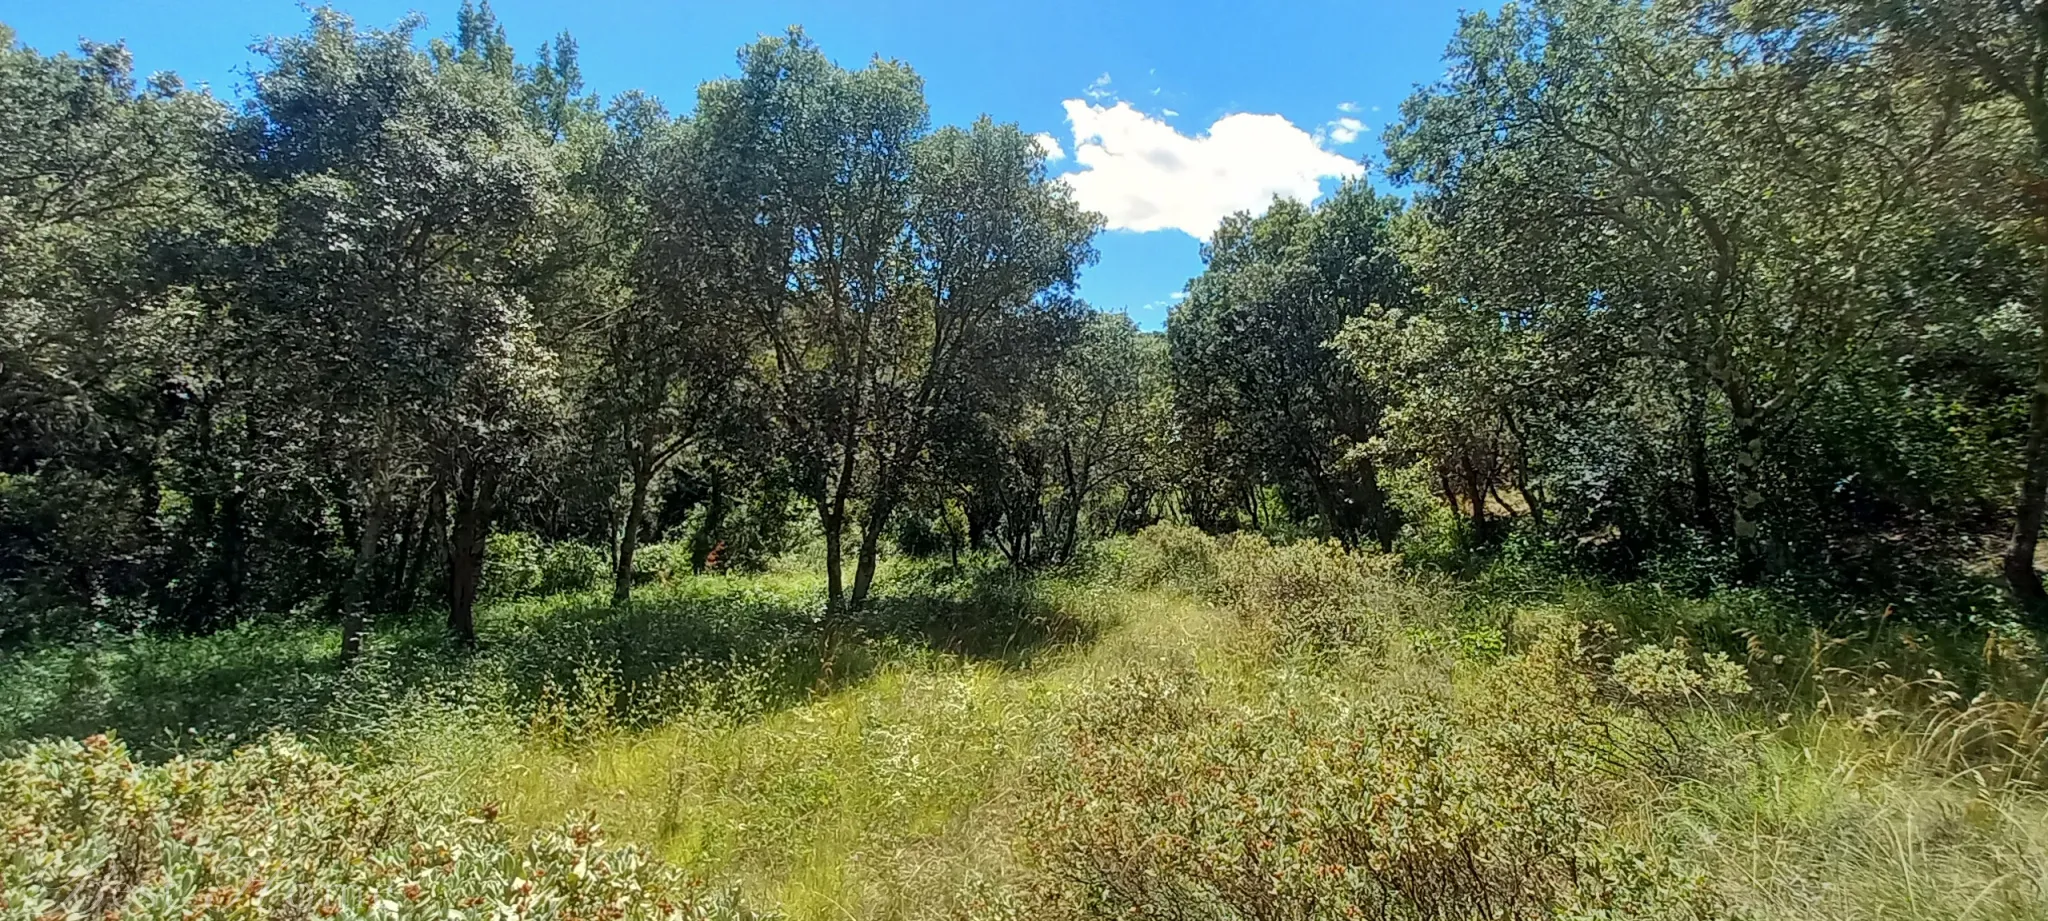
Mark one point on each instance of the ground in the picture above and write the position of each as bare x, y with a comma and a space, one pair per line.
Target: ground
1192, 728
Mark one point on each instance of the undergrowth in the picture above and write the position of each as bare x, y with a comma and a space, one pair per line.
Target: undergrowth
1190, 727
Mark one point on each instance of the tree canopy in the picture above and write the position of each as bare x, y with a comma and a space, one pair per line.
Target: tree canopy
1709, 292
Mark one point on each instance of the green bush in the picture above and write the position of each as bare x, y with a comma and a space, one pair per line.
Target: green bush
279, 831
518, 564
663, 562
1170, 554
567, 566
1162, 806
512, 566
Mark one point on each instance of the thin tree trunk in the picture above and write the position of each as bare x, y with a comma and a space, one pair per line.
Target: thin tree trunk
629, 534
1749, 549
355, 614
1696, 459
474, 501
870, 553
392, 592
834, 526
714, 518
2020, 573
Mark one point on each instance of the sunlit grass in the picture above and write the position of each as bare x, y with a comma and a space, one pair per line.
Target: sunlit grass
893, 770
891, 798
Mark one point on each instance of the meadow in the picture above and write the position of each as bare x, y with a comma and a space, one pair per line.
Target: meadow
1181, 727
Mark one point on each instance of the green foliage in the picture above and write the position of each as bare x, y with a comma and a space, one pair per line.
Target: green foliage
518, 564
279, 830
1164, 807
1169, 554
1258, 395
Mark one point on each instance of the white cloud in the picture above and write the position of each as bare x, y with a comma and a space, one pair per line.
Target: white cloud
1100, 88
1347, 107
1143, 175
1169, 113
1344, 130
1051, 146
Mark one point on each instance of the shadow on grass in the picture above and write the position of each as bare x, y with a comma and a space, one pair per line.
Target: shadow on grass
567, 665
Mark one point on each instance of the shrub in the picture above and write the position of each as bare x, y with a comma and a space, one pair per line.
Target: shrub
1316, 596
279, 831
1170, 554
567, 566
662, 562
518, 564
512, 566
1159, 808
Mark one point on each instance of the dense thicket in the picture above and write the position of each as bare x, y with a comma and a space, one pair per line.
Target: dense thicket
1717, 292
1714, 292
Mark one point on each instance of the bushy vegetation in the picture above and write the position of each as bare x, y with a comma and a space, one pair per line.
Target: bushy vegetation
1280, 730
420, 466
277, 831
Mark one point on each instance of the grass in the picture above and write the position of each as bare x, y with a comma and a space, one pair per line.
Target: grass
979, 744
896, 796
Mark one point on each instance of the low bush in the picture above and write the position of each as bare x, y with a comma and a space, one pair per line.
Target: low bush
1162, 806
518, 565
278, 831
1169, 554
1315, 596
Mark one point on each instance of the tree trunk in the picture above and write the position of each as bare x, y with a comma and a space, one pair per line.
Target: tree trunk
1696, 459
977, 524
427, 538
1749, 548
629, 535
409, 527
474, 500
2020, 573
870, 553
714, 518
834, 526
234, 548
355, 613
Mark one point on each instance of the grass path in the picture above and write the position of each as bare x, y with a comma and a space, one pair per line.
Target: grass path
890, 798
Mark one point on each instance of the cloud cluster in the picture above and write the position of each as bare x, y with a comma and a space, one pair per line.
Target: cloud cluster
1344, 130
1143, 175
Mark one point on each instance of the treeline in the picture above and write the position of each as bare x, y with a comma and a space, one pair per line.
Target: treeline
310, 353
1714, 292
1729, 291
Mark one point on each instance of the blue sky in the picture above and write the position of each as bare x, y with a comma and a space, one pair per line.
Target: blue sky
1163, 115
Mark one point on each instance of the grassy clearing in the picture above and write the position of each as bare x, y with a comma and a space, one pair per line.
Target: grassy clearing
1208, 729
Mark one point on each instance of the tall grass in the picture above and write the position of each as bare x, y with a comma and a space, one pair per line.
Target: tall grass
1198, 728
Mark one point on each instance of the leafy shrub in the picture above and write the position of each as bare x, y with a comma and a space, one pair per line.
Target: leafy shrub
1661, 677
512, 566
1170, 554
1316, 596
1162, 807
663, 562
518, 564
567, 566
279, 831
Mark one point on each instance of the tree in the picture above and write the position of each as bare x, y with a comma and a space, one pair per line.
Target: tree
1251, 346
1995, 53
104, 180
884, 265
1730, 198
1093, 434
665, 354
406, 197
